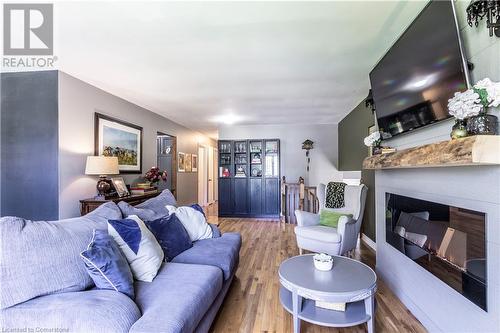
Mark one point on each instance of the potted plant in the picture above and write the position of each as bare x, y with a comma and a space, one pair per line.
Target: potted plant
374, 140
470, 109
154, 175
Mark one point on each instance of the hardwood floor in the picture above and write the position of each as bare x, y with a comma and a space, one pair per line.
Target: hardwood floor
252, 304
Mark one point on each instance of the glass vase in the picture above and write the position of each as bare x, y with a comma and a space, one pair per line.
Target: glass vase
459, 130
482, 124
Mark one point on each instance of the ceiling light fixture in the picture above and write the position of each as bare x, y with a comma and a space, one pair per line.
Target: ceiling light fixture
478, 9
228, 119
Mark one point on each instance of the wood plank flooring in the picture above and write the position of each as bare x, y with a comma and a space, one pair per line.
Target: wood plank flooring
252, 304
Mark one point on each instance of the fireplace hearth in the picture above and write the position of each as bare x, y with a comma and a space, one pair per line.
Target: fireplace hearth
448, 241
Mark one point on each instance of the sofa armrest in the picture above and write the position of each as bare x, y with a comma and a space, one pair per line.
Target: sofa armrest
305, 219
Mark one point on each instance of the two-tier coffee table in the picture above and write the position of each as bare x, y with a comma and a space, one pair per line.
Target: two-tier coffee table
349, 281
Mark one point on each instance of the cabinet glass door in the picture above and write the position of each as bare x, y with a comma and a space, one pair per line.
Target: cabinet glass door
240, 159
272, 159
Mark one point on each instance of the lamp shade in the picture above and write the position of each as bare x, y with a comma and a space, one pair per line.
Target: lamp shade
102, 165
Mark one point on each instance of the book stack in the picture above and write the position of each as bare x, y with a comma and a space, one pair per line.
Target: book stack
387, 150
142, 189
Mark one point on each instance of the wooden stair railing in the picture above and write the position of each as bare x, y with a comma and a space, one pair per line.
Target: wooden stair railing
297, 196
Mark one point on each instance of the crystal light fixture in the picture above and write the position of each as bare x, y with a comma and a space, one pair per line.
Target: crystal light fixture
478, 9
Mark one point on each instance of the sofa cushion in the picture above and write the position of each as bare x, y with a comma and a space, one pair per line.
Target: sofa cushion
177, 299
106, 264
222, 252
43, 257
84, 311
139, 246
151, 209
319, 232
171, 236
194, 221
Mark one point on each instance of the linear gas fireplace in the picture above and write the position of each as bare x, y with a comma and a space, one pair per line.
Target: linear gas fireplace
449, 242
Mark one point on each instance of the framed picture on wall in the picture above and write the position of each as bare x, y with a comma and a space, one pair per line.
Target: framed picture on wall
194, 163
114, 137
189, 166
181, 162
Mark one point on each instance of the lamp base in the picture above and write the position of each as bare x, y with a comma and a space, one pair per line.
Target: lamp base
103, 186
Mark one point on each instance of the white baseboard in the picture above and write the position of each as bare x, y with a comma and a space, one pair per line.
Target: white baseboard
371, 244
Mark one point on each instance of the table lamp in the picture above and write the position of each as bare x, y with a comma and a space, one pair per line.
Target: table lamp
102, 166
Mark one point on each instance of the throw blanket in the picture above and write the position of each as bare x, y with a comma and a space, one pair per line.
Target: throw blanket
335, 195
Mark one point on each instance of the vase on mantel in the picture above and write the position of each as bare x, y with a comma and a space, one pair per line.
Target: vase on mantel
482, 124
459, 130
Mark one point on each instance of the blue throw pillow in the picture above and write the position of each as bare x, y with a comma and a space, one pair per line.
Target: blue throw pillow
106, 264
215, 230
171, 236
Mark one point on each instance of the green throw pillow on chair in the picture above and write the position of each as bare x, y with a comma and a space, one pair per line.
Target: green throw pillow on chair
330, 219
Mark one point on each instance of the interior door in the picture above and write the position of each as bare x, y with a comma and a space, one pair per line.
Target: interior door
211, 175
202, 181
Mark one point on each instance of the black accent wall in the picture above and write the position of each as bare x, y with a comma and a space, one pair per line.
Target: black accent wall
29, 145
352, 151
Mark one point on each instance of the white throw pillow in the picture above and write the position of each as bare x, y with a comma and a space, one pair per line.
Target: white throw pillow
139, 246
193, 221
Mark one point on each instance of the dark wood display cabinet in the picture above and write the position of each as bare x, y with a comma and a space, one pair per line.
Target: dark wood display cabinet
249, 178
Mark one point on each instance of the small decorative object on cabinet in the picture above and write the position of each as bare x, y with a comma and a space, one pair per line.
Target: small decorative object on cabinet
459, 130
120, 187
249, 178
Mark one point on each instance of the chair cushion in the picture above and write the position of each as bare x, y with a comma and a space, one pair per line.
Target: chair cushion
319, 232
222, 252
177, 299
83, 311
139, 246
107, 265
171, 236
43, 257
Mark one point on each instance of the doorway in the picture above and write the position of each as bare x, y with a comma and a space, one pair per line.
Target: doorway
206, 175
166, 153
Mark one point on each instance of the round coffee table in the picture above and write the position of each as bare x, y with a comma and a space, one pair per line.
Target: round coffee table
349, 281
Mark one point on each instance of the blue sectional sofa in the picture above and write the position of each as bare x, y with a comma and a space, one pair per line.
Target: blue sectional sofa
44, 283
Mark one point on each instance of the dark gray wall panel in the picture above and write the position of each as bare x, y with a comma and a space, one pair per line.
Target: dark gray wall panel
29, 145
352, 151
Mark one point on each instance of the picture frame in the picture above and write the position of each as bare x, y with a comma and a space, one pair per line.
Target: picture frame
188, 163
181, 162
120, 187
194, 163
114, 137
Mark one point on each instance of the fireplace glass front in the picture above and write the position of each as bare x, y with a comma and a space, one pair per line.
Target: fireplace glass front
447, 241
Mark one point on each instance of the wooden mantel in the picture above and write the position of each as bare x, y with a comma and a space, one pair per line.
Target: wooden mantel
473, 150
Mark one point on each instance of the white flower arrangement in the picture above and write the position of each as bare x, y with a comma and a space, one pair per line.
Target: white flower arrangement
490, 90
472, 102
465, 104
373, 139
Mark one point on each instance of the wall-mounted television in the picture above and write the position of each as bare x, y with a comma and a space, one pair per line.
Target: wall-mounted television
412, 83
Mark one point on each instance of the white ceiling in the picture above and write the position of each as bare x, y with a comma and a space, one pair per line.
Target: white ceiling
265, 62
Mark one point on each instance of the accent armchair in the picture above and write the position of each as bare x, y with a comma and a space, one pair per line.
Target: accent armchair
342, 240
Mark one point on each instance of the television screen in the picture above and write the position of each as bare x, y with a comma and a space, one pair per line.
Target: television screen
412, 83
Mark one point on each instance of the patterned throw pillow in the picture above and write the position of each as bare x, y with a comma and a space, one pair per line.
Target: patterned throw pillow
139, 246
106, 264
335, 195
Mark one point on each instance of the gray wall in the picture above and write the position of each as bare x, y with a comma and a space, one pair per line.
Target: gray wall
352, 151
293, 160
29, 145
78, 101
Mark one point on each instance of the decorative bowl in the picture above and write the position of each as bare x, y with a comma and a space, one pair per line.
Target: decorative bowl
323, 262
